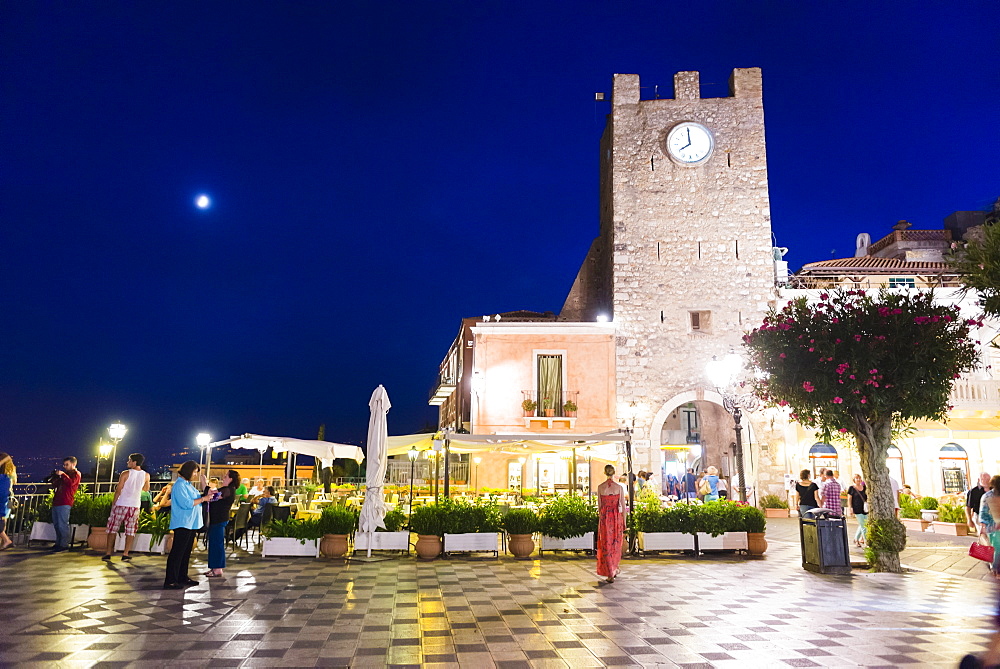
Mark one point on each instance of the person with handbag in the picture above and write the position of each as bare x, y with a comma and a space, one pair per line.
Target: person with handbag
858, 495
989, 529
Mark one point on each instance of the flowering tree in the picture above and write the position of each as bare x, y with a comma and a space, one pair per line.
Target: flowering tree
861, 365
978, 260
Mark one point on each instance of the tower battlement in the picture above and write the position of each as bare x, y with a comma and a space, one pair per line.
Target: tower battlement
744, 82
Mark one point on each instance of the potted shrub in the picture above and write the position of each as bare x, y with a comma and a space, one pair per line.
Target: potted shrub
470, 527
567, 523
569, 408
100, 509
548, 407
395, 536
774, 506
909, 514
291, 538
720, 526
669, 529
335, 524
529, 407
951, 520
520, 525
754, 522
426, 522
929, 509
150, 534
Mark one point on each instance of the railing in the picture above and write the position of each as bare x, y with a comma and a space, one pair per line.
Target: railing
972, 394
550, 406
909, 236
398, 472
840, 281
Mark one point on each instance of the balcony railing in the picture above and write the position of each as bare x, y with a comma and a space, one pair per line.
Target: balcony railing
565, 405
972, 394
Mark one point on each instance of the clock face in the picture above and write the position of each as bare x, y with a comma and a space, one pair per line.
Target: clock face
690, 143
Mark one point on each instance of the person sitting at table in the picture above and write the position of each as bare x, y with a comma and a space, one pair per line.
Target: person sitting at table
258, 513
256, 491
161, 503
243, 490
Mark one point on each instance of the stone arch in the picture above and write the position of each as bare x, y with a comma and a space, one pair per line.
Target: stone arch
660, 417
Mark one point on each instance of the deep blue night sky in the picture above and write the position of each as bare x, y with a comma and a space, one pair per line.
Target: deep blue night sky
380, 170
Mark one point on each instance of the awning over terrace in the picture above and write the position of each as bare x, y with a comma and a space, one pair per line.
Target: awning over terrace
604, 446
324, 450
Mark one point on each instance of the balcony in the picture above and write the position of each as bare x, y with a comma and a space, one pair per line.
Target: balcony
442, 390
976, 395
549, 411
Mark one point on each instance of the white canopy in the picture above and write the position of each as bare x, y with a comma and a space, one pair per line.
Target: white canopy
325, 450
604, 445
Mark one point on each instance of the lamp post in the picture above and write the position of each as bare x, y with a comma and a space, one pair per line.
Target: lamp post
723, 375
475, 480
412, 454
117, 432
203, 440
103, 451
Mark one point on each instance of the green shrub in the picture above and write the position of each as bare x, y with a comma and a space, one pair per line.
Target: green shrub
520, 521
395, 520
158, 526
337, 520
79, 513
719, 517
952, 513
567, 516
427, 520
773, 502
908, 507
929, 503
460, 517
302, 530
100, 510
753, 519
678, 518
885, 535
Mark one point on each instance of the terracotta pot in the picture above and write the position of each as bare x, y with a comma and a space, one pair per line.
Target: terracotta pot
550, 413
428, 546
521, 545
776, 513
915, 524
756, 543
333, 545
98, 539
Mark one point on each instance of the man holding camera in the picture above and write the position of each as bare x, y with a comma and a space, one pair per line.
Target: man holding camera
65, 481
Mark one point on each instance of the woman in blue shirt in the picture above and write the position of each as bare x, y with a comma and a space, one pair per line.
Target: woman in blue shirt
713, 484
8, 477
185, 521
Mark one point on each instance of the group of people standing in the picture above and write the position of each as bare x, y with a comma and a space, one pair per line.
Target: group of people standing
707, 486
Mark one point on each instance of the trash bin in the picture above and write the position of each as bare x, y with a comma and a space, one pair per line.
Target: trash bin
824, 544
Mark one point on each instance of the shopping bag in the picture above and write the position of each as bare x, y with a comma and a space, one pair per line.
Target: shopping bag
981, 552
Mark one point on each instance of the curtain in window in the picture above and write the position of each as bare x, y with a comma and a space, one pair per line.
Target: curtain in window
550, 383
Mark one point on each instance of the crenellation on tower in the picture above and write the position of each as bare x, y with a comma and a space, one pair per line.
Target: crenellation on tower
687, 86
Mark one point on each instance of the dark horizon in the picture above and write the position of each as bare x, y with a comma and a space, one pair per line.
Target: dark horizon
377, 174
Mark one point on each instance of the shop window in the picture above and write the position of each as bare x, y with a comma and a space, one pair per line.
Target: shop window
902, 282
954, 468
894, 461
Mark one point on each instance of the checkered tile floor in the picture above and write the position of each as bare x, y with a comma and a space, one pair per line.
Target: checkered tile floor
70, 609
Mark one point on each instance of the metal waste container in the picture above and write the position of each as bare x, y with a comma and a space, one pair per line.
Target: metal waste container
824, 544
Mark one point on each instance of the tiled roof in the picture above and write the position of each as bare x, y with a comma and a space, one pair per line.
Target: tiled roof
873, 265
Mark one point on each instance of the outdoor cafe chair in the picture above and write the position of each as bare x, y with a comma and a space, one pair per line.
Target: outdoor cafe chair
240, 526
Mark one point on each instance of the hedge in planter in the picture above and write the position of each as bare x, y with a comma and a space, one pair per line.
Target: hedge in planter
470, 526
394, 537
567, 516
292, 537
671, 528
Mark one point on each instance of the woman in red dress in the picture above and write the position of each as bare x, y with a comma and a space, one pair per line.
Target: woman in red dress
611, 526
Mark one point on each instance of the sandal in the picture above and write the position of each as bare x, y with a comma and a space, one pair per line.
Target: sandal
212, 574
6, 546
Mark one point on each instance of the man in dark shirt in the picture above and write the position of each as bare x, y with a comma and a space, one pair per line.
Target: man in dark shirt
689, 487
974, 498
66, 481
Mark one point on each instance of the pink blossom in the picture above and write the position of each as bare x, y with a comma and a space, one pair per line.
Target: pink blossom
837, 400
843, 429
864, 401
857, 337
782, 355
808, 387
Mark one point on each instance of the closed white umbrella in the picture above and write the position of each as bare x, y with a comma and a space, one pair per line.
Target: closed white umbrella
373, 509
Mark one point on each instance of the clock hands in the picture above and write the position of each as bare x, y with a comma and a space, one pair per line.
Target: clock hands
689, 140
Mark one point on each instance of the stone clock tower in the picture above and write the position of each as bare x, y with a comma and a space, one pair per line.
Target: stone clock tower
684, 263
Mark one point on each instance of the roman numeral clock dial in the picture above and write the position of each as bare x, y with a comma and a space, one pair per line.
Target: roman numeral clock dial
690, 143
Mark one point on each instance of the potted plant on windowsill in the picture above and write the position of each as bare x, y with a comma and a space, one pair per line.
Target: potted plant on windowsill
951, 520
471, 527
520, 525
395, 536
529, 407
774, 506
335, 525
100, 510
569, 408
425, 521
567, 523
548, 407
291, 538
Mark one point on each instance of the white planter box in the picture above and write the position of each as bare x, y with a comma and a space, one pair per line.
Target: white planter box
471, 542
47, 532
387, 541
724, 542
142, 544
584, 543
666, 541
286, 546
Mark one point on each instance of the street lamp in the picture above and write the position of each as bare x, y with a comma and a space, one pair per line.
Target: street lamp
412, 454
203, 440
723, 375
103, 451
117, 432
475, 485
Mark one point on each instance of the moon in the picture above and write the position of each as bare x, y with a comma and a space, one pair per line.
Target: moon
202, 202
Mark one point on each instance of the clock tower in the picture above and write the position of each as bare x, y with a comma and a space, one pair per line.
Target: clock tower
684, 261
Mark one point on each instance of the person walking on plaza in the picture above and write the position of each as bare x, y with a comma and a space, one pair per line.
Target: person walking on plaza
219, 506
974, 499
689, 485
829, 493
989, 521
611, 525
125, 508
805, 491
185, 521
858, 495
66, 482
8, 477
712, 479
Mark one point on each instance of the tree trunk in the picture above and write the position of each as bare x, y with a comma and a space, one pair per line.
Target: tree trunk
874, 439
